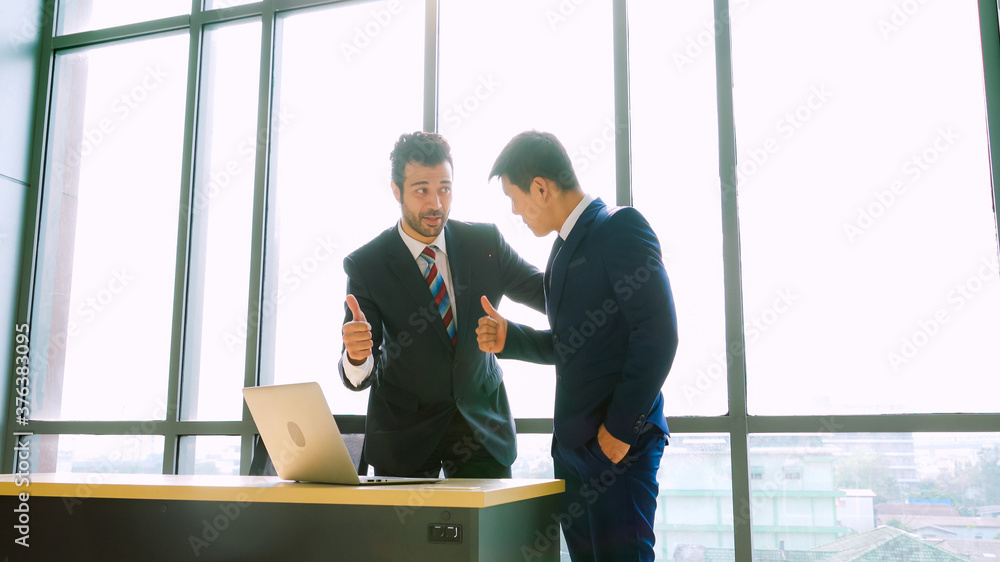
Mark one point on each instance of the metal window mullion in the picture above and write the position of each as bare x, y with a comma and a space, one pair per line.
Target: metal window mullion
229, 13
31, 235
678, 425
286, 5
989, 31
182, 269
138, 29
262, 236
733, 282
533, 425
875, 423
623, 146
833, 423
140, 427
127, 31
432, 32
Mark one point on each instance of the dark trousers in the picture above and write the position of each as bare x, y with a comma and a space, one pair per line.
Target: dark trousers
606, 513
460, 455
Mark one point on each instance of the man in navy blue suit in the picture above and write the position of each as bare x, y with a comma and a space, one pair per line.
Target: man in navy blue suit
613, 338
437, 401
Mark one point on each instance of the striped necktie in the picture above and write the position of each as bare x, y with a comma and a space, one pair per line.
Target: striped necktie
436, 284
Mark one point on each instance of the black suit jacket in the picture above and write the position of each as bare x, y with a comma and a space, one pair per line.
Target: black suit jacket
613, 329
419, 379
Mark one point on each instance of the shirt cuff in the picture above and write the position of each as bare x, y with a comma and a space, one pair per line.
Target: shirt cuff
357, 373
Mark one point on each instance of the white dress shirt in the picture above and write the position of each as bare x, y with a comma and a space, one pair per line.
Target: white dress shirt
567, 226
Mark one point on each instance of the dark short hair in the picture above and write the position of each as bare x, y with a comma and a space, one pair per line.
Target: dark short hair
534, 154
426, 149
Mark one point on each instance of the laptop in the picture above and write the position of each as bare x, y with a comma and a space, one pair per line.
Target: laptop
302, 438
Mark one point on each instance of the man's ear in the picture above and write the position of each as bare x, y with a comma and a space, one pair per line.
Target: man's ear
541, 190
395, 192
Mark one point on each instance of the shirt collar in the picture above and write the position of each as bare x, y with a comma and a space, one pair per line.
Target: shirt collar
416, 246
567, 226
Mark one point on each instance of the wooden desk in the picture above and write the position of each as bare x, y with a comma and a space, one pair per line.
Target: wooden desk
157, 517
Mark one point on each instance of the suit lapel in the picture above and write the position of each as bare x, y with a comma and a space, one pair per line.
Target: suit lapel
406, 270
460, 266
561, 263
402, 264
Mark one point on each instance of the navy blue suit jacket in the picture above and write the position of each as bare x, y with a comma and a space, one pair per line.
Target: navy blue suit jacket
613, 329
419, 380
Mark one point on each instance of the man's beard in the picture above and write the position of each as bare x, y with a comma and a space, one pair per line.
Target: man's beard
416, 222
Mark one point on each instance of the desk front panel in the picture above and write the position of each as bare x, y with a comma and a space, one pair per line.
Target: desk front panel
240, 528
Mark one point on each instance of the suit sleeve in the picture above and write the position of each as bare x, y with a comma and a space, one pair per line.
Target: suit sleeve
525, 343
522, 282
642, 291
357, 287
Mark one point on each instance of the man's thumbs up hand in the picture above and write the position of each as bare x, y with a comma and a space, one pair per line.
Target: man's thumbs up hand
492, 331
352, 303
357, 334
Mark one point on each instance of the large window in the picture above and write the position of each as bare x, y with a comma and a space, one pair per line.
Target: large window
221, 211
869, 241
675, 182
902, 492
106, 282
487, 97
87, 15
337, 123
819, 177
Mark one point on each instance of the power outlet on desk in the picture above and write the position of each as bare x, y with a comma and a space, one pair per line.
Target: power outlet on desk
444, 533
